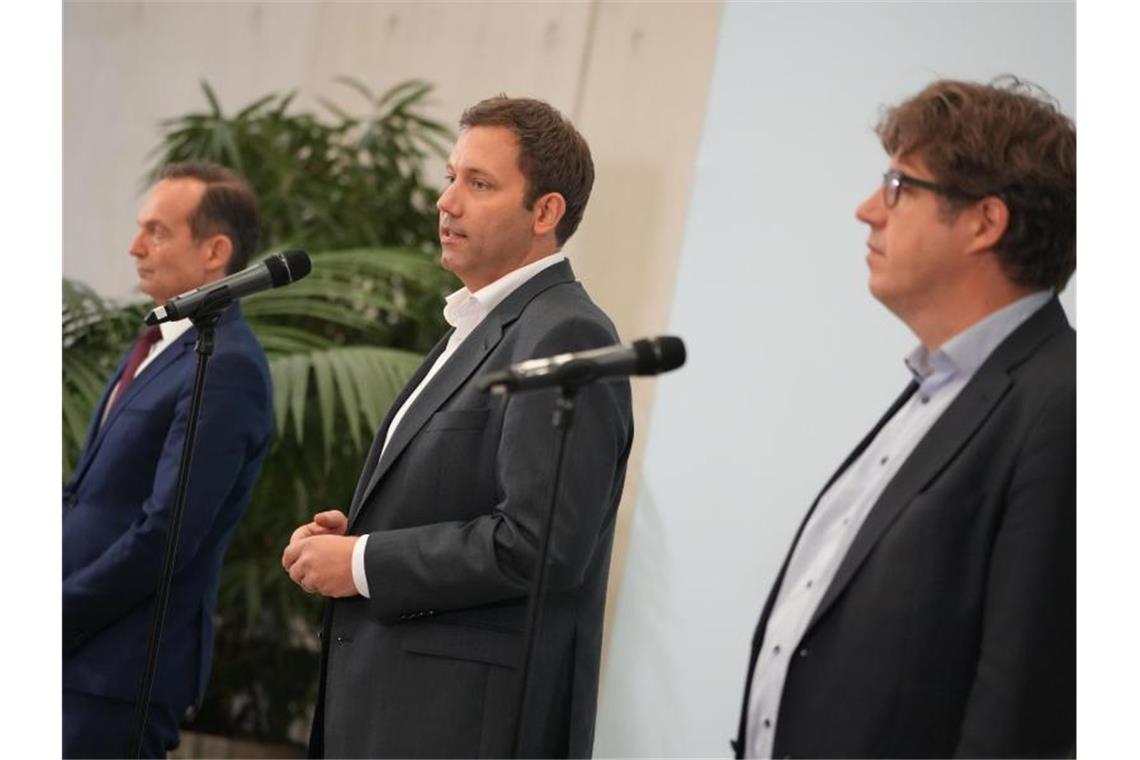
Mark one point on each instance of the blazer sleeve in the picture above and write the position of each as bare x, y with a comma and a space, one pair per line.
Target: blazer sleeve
454, 565
1023, 700
233, 428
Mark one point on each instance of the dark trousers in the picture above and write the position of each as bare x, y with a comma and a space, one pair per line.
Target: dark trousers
96, 726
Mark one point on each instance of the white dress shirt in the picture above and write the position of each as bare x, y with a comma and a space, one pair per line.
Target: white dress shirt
464, 311
941, 375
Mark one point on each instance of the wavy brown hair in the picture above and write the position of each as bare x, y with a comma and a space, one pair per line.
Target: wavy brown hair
1008, 139
553, 155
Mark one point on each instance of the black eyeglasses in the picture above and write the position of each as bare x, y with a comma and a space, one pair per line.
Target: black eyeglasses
893, 182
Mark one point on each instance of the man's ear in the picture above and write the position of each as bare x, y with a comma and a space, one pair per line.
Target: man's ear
989, 220
219, 249
548, 212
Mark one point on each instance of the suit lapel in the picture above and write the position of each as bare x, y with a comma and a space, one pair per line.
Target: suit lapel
950, 433
902, 398
758, 634
183, 343
452, 375
142, 379
155, 369
96, 423
370, 461
455, 372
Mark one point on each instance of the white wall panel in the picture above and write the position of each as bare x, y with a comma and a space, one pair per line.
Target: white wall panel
791, 360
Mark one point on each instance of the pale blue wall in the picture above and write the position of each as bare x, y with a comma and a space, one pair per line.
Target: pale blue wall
791, 360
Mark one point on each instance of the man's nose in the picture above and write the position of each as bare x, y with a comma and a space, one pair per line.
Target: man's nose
448, 201
872, 210
136, 248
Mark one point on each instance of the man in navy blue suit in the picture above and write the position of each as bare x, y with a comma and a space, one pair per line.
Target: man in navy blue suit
198, 224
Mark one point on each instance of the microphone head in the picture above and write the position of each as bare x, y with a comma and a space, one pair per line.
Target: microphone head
659, 354
670, 352
287, 267
299, 264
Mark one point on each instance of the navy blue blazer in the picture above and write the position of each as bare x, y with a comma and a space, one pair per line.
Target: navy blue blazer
119, 501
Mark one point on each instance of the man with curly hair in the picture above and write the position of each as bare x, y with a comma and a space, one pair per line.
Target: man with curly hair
928, 605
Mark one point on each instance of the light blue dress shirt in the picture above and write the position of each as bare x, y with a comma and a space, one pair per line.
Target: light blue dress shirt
941, 375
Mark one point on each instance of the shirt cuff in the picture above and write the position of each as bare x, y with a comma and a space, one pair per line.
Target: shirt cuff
359, 577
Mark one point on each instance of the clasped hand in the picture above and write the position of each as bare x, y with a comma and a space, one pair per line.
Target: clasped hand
319, 555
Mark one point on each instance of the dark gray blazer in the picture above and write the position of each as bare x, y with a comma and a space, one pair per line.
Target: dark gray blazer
950, 627
429, 666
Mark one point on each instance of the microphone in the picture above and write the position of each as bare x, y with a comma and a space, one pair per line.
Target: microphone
644, 357
271, 272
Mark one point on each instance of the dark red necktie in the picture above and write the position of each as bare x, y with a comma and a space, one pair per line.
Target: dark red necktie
149, 337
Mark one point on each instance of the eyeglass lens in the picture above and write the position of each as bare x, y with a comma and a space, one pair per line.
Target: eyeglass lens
892, 183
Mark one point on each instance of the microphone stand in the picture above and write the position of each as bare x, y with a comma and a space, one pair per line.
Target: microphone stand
563, 417
205, 323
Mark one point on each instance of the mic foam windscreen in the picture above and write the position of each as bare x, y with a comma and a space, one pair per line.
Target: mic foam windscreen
287, 267
658, 355
278, 270
670, 352
298, 263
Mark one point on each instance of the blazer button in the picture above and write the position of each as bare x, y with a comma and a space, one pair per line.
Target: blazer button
803, 652
70, 499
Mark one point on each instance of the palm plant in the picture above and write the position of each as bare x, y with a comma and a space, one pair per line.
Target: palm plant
341, 343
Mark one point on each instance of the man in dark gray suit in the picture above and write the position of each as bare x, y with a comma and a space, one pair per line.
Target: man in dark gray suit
428, 573
928, 605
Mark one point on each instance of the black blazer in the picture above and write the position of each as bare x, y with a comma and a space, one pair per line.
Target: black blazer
950, 626
429, 665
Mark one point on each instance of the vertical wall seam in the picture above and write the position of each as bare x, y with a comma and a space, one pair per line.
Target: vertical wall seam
587, 57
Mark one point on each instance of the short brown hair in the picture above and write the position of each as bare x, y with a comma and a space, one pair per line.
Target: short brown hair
228, 207
553, 156
1009, 139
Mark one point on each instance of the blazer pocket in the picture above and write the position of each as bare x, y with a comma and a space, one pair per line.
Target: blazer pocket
458, 419
460, 642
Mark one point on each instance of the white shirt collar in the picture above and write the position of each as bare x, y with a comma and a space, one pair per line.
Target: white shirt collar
463, 305
173, 330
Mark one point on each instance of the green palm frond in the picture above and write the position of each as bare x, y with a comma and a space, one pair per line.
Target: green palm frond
372, 296
355, 385
328, 180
